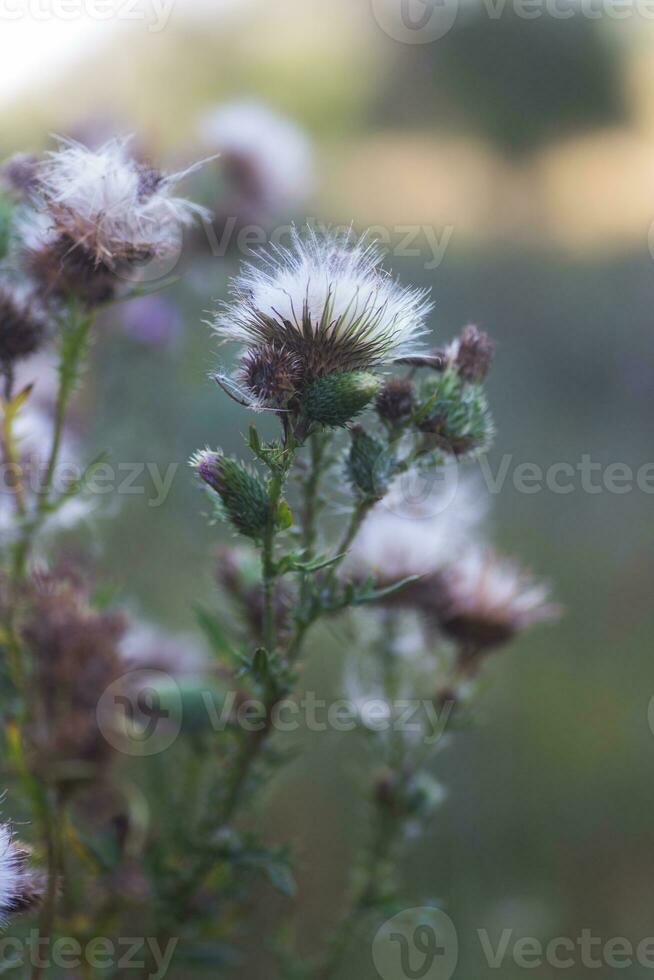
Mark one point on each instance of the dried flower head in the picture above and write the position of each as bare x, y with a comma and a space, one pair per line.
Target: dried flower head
472, 354
75, 656
21, 888
23, 322
483, 601
101, 213
395, 401
267, 157
271, 375
327, 303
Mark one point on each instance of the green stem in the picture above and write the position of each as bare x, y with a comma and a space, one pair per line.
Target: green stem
53, 832
269, 570
73, 346
385, 831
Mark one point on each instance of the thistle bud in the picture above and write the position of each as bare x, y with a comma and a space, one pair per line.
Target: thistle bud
472, 354
456, 414
370, 466
243, 494
271, 374
336, 399
395, 401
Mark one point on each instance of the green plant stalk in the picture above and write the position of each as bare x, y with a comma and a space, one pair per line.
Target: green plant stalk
73, 347
53, 833
387, 825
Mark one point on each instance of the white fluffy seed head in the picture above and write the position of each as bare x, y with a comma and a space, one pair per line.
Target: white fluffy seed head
111, 205
272, 150
326, 299
21, 889
403, 537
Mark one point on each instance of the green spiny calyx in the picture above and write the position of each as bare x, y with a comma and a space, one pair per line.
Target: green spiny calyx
370, 466
335, 399
243, 495
455, 413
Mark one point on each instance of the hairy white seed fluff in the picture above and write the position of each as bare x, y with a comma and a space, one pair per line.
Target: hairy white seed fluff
403, 536
326, 290
273, 148
109, 203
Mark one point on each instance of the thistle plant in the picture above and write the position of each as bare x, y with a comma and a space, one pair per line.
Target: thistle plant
334, 351
78, 225
320, 326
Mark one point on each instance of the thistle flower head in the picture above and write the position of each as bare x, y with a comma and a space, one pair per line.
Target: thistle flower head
21, 889
23, 322
484, 600
100, 212
395, 401
471, 353
327, 302
108, 203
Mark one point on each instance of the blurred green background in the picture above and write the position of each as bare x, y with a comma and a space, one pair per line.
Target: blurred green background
532, 141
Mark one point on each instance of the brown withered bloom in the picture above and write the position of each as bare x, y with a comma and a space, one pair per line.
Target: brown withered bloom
483, 601
23, 323
22, 888
270, 374
395, 401
75, 657
472, 354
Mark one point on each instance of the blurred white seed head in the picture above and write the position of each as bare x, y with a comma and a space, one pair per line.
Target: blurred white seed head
403, 537
109, 204
267, 155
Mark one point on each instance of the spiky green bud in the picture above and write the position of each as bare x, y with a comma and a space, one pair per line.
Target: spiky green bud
336, 399
455, 413
243, 495
370, 466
